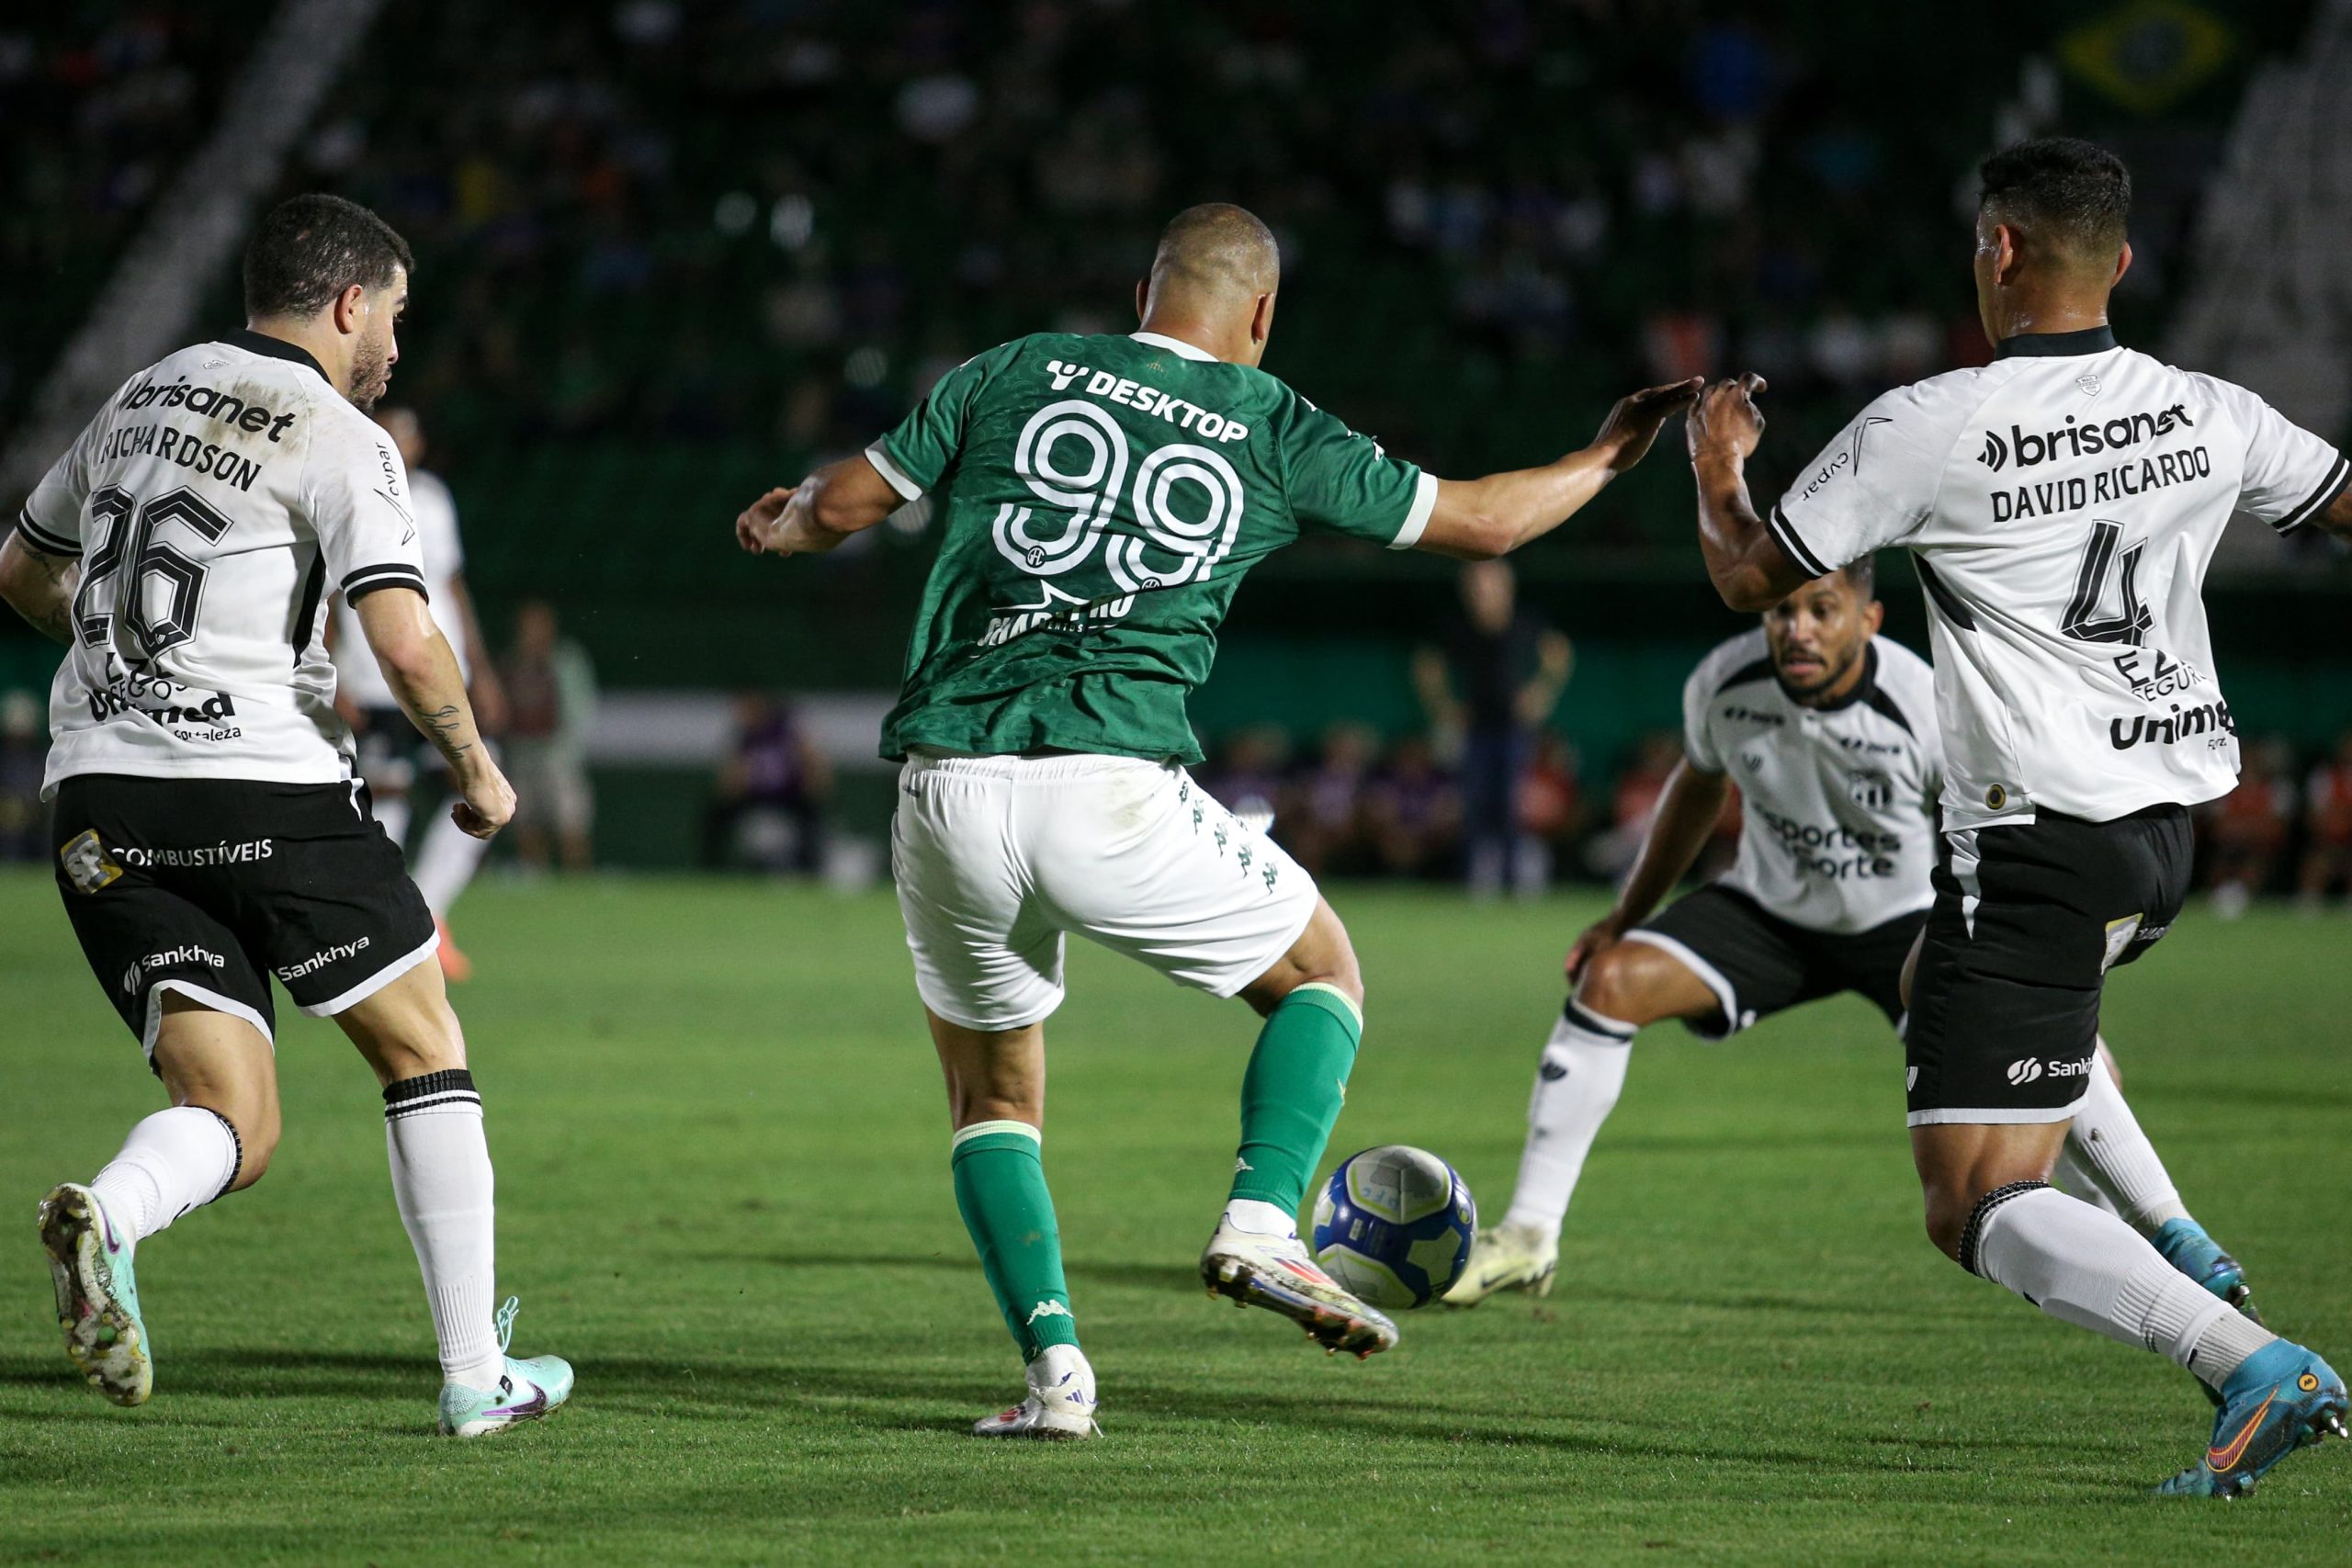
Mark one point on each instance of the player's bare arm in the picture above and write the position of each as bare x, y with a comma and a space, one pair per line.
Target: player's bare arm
422, 670
2337, 518
40, 587
1688, 809
817, 515
1482, 519
1745, 562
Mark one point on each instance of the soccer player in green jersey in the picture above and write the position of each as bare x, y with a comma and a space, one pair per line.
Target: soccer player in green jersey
1100, 498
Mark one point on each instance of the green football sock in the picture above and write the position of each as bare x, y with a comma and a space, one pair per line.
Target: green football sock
1000, 1188
1296, 1082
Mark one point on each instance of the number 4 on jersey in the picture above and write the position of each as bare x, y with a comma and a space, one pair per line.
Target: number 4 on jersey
2104, 561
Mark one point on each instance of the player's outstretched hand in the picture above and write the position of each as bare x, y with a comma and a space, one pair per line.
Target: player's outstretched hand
756, 527
1599, 938
486, 803
1634, 423
1727, 422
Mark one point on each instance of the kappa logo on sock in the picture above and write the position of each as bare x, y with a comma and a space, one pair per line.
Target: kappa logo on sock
1552, 1071
1241, 1165
1050, 1309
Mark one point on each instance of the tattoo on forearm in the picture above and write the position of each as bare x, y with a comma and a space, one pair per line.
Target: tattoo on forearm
442, 726
52, 612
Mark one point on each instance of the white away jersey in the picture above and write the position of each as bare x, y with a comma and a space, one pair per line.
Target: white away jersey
358, 674
1837, 803
215, 500
2061, 504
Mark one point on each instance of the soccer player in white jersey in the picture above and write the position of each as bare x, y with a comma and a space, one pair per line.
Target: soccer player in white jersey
1828, 731
209, 831
390, 750
2061, 504
1101, 497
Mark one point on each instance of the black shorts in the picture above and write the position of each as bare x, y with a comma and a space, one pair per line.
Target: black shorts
392, 751
1757, 963
207, 886
2027, 922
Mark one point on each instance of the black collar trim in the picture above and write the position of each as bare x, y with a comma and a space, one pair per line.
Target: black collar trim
1864, 691
2090, 340
253, 342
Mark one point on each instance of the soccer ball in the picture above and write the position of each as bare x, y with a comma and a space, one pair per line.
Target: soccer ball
1394, 1224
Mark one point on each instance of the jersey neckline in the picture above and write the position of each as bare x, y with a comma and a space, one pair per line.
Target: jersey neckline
271, 347
1175, 345
2089, 340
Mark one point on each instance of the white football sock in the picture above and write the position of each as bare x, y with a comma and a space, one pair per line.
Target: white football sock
441, 1178
173, 1161
391, 815
2107, 1144
445, 864
2090, 1268
2072, 1177
1582, 1072
1255, 1216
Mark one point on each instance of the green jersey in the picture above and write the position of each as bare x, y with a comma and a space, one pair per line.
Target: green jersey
1100, 500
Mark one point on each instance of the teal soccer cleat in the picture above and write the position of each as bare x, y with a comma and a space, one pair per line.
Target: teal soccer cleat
2187, 1247
2283, 1398
98, 1296
530, 1390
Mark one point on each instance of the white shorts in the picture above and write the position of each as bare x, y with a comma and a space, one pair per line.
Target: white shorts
997, 857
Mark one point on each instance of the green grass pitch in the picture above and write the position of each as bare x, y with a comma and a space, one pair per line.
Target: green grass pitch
723, 1193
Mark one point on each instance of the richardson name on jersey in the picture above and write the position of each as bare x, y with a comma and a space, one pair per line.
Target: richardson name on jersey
188, 450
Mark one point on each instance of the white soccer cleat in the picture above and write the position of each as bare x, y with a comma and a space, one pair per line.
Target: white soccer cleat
1508, 1257
1275, 1272
1060, 1406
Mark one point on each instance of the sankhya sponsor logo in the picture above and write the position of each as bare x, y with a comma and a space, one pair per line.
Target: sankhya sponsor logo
2030, 1069
168, 958
2077, 438
321, 959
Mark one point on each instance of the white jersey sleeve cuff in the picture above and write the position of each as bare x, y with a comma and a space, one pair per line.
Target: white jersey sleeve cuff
891, 474
41, 539
2319, 500
1416, 517
1794, 547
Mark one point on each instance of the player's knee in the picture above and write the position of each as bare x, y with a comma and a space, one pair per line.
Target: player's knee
1612, 985
1948, 1218
254, 1120
256, 1148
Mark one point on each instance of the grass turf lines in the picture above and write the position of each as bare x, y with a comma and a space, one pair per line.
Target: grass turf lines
723, 1193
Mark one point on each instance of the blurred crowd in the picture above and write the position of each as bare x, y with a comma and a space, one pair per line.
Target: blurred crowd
777, 220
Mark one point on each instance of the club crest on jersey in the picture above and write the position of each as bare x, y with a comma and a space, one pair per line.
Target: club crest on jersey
85, 862
1871, 790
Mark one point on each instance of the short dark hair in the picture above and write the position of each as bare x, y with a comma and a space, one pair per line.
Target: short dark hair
310, 248
1863, 573
2074, 192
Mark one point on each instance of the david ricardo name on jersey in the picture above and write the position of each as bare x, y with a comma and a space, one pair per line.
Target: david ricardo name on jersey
214, 502
1837, 815
2062, 503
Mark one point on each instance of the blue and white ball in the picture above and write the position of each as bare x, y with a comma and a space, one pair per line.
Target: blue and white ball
1393, 1226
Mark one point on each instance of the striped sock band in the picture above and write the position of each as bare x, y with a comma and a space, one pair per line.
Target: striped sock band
237, 1163
431, 1091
